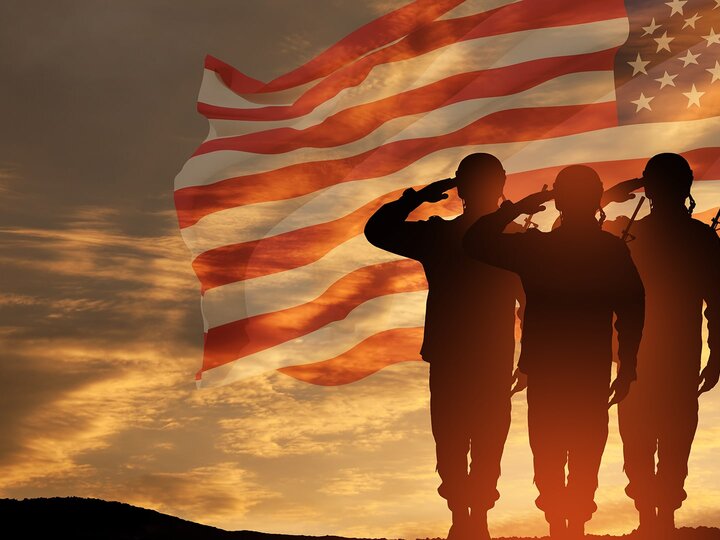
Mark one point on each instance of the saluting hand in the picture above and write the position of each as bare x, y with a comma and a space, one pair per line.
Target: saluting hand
622, 191
532, 204
709, 377
436, 191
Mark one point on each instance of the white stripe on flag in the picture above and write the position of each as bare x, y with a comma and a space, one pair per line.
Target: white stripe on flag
472, 55
263, 220
572, 89
471, 7
281, 290
401, 310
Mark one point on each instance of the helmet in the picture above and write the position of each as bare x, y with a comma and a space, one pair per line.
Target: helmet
578, 186
480, 176
668, 175
480, 166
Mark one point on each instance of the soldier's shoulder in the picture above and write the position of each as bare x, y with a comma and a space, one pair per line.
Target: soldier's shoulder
703, 231
700, 226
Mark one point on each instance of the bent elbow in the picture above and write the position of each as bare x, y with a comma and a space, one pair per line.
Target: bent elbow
371, 232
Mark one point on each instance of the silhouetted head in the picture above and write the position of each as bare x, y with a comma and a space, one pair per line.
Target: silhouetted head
578, 190
667, 178
480, 180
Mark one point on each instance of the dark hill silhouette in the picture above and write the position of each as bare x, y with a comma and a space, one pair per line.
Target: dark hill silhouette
80, 519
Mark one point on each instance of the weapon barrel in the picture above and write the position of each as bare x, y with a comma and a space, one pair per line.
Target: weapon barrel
626, 232
715, 223
528, 220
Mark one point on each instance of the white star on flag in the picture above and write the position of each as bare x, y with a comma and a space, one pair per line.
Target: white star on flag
693, 96
715, 72
663, 42
691, 21
689, 58
712, 37
666, 80
650, 30
639, 65
642, 102
676, 6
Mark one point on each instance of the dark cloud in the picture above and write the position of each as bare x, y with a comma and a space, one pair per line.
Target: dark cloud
100, 107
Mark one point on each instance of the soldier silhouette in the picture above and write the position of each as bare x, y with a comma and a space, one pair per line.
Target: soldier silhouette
469, 336
679, 261
575, 278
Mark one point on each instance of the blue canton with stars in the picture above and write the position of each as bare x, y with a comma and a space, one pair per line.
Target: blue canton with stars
669, 68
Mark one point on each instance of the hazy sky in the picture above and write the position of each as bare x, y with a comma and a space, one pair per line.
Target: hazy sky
99, 309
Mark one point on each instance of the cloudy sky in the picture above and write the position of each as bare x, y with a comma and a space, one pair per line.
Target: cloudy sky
99, 308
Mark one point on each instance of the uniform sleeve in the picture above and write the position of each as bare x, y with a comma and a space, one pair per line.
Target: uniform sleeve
712, 295
486, 242
388, 230
630, 312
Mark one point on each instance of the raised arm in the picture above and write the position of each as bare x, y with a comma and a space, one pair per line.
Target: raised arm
485, 240
388, 229
621, 192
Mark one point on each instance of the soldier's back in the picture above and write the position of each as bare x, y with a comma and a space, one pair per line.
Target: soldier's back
471, 305
572, 283
676, 259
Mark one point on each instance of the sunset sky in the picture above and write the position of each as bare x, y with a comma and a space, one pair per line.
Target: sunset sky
99, 307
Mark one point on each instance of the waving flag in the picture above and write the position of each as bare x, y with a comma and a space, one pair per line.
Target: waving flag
273, 203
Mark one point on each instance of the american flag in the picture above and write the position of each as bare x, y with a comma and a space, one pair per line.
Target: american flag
273, 203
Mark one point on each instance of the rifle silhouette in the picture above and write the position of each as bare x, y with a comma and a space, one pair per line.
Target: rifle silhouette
528, 220
626, 236
715, 223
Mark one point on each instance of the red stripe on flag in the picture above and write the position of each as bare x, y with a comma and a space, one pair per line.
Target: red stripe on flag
376, 33
705, 163
298, 247
237, 262
248, 336
286, 251
505, 126
355, 122
527, 15
367, 357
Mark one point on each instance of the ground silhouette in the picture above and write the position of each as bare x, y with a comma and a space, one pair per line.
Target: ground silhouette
78, 518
